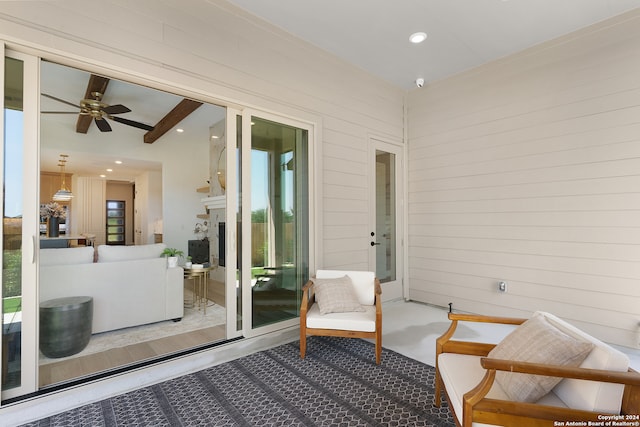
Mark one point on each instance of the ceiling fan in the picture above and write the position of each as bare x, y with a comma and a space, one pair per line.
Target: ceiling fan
95, 109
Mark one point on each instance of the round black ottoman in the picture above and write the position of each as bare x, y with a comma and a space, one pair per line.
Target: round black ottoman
65, 325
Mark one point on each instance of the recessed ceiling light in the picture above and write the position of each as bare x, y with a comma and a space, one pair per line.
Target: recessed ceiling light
179, 130
118, 162
103, 176
109, 170
215, 137
418, 37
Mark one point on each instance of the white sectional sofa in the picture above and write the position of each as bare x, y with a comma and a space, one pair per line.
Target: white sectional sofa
130, 285
572, 376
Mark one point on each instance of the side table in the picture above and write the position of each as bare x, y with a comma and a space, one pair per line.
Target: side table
200, 277
65, 325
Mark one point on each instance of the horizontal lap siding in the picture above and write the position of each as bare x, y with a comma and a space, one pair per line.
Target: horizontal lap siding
220, 51
527, 170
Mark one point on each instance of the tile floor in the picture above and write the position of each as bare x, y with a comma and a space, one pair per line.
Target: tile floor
411, 329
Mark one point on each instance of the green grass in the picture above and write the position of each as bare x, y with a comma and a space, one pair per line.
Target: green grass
11, 304
12, 273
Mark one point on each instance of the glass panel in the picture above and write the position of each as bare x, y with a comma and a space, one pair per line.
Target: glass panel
12, 234
115, 205
385, 216
279, 220
168, 177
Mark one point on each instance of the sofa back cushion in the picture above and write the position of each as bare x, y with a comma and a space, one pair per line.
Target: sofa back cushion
590, 395
363, 283
66, 256
113, 253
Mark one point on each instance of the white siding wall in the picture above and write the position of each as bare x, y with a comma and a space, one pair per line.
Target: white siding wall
527, 170
214, 51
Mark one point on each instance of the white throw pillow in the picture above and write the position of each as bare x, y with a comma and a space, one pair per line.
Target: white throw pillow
112, 253
536, 341
336, 295
66, 256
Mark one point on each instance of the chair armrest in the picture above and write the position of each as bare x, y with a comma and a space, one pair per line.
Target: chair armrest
307, 289
378, 302
628, 378
444, 343
307, 286
486, 319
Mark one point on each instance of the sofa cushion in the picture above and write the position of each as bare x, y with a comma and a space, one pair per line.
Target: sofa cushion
363, 283
112, 253
537, 341
591, 395
336, 295
66, 256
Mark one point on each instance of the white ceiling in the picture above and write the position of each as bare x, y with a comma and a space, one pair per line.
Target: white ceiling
462, 34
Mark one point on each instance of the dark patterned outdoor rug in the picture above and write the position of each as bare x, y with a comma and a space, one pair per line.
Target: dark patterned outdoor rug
337, 384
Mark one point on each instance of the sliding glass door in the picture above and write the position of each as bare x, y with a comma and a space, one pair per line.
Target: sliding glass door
186, 188
276, 227
19, 226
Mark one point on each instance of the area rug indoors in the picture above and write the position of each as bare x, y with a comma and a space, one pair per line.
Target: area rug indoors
194, 318
338, 383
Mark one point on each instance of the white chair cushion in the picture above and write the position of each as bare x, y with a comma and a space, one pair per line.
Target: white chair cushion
364, 321
590, 395
66, 256
461, 373
363, 283
112, 253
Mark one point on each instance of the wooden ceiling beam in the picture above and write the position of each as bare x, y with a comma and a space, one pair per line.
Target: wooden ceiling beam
96, 84
175, 116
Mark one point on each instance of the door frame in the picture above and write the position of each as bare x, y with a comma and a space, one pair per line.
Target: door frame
395, 289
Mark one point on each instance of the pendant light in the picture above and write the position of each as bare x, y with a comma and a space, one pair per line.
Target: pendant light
63, 194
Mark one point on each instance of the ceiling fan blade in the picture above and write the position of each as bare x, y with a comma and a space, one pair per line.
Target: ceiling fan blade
103, 125
61, 100
116, 109
131, 123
